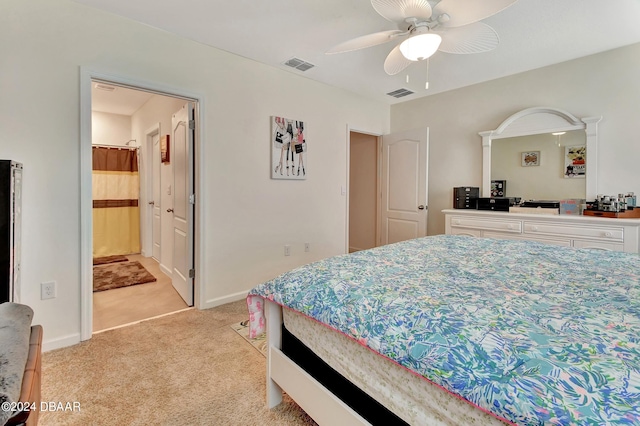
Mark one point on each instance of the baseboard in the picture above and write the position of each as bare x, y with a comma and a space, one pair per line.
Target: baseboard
166, 270
212, 303
61, 342
354, 249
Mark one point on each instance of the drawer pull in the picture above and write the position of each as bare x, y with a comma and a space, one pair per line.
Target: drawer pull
510, 226
608, 234
534, 228
456, 222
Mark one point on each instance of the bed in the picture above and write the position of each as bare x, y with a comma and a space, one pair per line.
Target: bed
459, 330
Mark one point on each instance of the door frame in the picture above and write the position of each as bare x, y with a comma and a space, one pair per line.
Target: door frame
378, 183
87, 76
147, 244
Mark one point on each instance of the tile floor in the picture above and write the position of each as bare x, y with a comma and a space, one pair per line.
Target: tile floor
125, 305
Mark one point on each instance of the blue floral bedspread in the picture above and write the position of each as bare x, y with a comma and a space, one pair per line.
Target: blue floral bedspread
534, 333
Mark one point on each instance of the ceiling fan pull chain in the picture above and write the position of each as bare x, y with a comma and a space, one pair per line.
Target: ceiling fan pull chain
426, 84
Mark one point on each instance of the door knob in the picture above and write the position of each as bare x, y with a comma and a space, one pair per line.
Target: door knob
152, 203
421, 207
169, 210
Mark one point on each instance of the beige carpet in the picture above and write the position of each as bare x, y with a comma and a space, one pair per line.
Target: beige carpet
187, 368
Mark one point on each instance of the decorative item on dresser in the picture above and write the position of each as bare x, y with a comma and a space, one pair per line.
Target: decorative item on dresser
465, 197
564, 230
498, 188
620, 206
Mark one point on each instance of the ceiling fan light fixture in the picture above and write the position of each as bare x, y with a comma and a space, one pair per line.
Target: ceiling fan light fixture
420, 46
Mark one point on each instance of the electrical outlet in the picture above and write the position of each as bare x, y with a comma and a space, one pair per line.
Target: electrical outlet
48, 290
287, 250
307, 247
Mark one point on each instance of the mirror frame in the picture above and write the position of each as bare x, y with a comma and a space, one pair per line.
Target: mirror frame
538, 120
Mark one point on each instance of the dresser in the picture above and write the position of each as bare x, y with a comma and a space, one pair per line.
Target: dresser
565, 230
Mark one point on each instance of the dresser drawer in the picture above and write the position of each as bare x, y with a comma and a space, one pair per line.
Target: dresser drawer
565, 242
605, 233
598, 245
487, 224
466, 231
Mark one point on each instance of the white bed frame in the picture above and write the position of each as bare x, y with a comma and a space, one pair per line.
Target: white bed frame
326, 409
285, 375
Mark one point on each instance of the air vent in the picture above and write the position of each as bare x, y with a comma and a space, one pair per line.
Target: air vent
400, 93
299, 64
105, 87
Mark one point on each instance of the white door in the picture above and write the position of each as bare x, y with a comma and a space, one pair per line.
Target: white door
403, 213
181, 143
155, 223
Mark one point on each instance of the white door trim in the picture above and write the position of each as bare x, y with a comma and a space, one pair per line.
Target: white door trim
147, 213
86, 219
348, 183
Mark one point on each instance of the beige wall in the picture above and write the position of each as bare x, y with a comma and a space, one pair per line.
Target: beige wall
363, 173
248, 217
604, 84
110, 129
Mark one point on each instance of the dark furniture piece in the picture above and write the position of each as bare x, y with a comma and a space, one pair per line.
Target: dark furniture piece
10, 224
465, 197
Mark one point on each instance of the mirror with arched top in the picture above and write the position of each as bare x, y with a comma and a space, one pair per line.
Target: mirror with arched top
531, 131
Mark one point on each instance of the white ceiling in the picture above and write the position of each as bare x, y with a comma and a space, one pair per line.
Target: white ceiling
121, 100
533, 34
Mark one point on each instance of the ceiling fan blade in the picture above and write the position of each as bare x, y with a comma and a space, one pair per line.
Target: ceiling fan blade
395, 62
473, 38
463, 12
365, 41
399, 10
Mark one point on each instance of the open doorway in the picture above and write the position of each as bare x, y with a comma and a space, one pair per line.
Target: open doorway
363, 191
133, 196
393, 177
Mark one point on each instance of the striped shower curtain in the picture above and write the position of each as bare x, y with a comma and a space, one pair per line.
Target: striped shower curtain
116, 215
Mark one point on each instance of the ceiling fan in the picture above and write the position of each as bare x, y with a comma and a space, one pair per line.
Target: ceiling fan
450, 26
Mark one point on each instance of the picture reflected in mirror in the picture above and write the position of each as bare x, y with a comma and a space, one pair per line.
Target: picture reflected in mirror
547, 180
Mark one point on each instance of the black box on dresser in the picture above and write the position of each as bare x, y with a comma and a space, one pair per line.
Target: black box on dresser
499, 204
465, 197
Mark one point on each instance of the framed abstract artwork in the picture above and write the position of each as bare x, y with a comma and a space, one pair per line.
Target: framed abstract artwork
530, 158
575, 161
164, 149
288, 149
